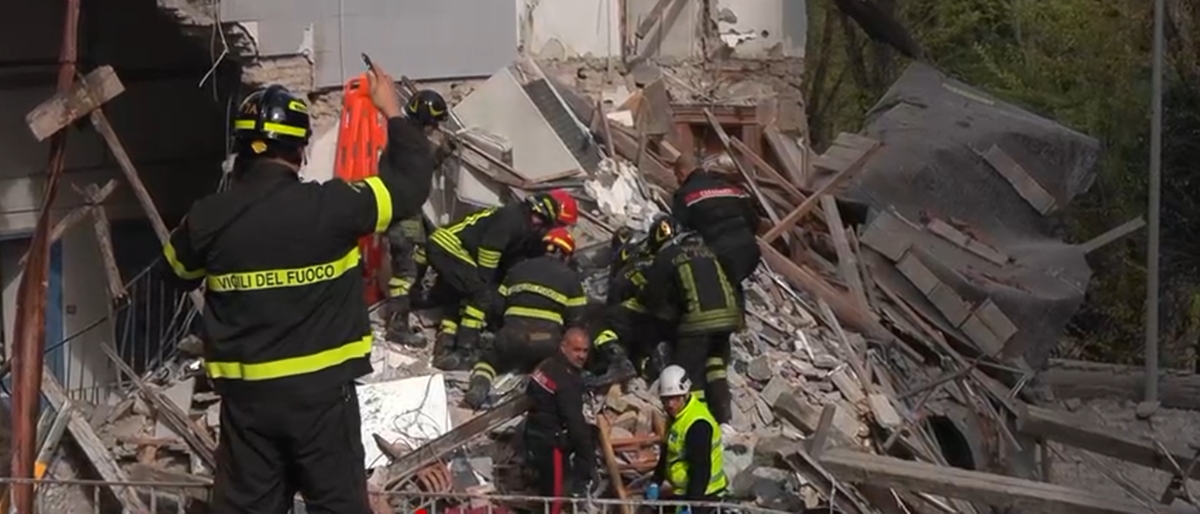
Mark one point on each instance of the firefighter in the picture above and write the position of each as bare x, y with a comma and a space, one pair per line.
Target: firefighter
723, 214
406, 237
558, 440
687, 289
542, 296
466, 255
627, 331
284, 304
691, 460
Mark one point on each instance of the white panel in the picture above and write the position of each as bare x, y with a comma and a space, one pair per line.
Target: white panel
85, 300
10, 279
578, 28
764, 27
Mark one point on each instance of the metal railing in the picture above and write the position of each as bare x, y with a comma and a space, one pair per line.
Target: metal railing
94, 496
145, 327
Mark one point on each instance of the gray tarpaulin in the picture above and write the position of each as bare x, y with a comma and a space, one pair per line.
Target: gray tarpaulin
936, 132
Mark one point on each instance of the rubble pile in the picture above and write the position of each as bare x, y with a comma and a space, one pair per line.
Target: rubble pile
848, 394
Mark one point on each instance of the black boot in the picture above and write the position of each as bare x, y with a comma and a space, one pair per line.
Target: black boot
720, 400
466, 348
398, 328
619, 366
444, 356
477, 391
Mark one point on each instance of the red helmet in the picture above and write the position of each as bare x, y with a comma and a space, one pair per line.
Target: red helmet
568, 209
559, 238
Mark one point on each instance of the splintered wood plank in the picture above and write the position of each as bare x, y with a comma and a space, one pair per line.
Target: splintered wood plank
808, 205
997, 490
1028, 187
76, 215
85, 96
846, 150
789, 155
847, 261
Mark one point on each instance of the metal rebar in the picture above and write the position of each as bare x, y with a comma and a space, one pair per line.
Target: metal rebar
1152, 247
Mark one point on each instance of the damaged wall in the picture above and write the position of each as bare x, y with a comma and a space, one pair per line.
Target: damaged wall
174, 132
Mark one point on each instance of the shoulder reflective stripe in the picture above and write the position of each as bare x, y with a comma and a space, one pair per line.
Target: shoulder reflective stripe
180, 270
471, 219
529, 312
383, 203
578, 301
291, 366
276, 278
488, 258
449, 242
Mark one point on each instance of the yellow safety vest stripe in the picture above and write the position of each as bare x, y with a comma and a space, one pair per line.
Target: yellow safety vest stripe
677, 468
383, 203
180, 270
538, 289
277, 278
291, 366
489, 258
529, 312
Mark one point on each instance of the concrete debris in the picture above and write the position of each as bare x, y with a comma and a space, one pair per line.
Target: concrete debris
833, 367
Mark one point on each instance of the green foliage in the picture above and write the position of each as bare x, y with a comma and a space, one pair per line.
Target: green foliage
1085, 63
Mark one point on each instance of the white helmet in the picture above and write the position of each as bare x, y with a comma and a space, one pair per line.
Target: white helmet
673, 382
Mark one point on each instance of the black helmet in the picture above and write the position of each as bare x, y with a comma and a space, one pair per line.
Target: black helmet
427, 107
663, 229
272, 116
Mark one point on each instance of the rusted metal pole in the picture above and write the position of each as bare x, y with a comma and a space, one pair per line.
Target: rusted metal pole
31, 314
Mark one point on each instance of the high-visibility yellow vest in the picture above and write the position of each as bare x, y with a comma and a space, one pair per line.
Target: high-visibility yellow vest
677, 469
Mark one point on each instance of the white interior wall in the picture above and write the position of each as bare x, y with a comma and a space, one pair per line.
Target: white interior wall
765, 27
574, 28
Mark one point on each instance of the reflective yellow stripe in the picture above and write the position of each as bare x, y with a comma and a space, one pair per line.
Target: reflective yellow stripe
383, 203
484, 369
398, 286
634, 305
180, 270
604, 337
716, 374
291, 366
471, 323
277, 128
450, 243
528, 312
449, 326
474, 313
271, 279
419, 255
538, 289
714, 362
488, 258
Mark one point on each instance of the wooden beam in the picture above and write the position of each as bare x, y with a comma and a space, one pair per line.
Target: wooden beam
652, 18
997, 490
116, 286
85, 96
863, 322
76, 215
610, 461
1075, 431
1113, 234
1094, 380
95, 449
766, 168
789, 156
847, 261
820, 436
808, 205
101, 124
726, 114
737, 163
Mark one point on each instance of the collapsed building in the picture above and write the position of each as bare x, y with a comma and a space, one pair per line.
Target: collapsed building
912, 281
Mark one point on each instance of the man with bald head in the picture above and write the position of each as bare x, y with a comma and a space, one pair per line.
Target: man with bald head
558, 440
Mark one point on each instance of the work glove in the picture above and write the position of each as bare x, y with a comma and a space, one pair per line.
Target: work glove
652, 492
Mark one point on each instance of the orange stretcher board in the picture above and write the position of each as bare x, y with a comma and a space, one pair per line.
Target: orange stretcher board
362, 134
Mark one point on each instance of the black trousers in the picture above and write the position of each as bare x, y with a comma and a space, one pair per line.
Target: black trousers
522, 343
556, 476
272, 449
705, 357
739, 259
404, 238
460, 282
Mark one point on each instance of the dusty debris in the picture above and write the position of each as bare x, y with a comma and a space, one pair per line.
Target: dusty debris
836, 375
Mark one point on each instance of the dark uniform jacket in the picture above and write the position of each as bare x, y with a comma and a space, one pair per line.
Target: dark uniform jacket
284, 307
486, 237
720, 211
687, 286
544, 288
555, 419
